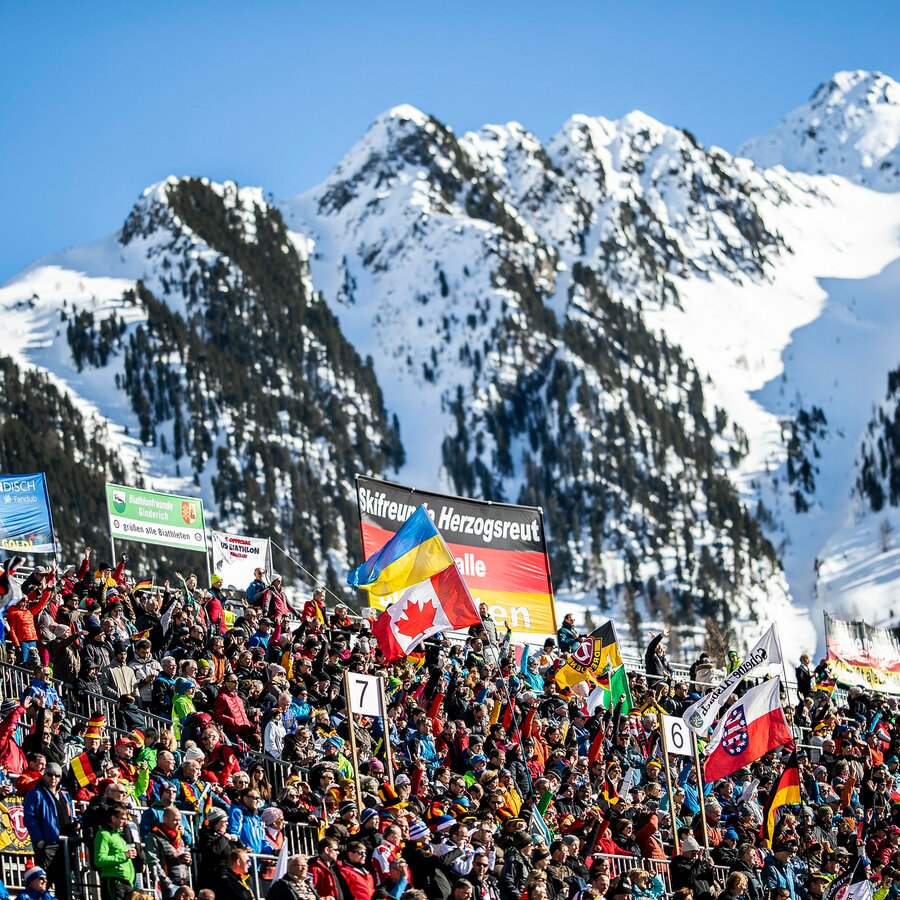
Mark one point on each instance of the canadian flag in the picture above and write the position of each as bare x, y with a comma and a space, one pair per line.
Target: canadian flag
749, 729
441, 603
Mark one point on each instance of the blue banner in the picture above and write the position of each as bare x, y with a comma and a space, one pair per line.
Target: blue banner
26, 524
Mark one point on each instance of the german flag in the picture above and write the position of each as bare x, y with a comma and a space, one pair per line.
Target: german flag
83, 771
785, 792
142, 586
609, 792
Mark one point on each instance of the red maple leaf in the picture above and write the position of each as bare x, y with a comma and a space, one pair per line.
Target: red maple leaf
418, 618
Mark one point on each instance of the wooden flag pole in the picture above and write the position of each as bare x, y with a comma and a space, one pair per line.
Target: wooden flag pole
701, 789
665, 753
353, 753
386, 729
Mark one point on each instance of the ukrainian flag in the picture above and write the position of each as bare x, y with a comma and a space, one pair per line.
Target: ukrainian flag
414, 554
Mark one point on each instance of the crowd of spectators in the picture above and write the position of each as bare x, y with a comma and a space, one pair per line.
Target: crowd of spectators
501, 786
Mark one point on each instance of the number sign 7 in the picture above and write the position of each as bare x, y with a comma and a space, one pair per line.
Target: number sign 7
365, 694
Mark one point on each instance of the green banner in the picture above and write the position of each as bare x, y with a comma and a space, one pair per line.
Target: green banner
154, 518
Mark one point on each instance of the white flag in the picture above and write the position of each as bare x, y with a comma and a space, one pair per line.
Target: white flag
766, 653
281, 865
234, 557
595, 700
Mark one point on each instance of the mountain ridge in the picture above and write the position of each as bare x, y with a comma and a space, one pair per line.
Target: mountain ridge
511, 307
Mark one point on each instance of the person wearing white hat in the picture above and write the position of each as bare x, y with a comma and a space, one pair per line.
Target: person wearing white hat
35, 880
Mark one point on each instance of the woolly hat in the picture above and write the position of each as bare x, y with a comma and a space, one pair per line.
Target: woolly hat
442, 823
32, 873
418, 831
367, 814
216, 815
8, 705
346, 807
522, 840
271, 814
192, 753
689, 844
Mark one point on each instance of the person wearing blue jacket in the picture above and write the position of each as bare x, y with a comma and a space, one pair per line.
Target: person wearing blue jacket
257, 586
778, 871
47, 814
688, 781
567, 637
245, 823
530, 674
35, 886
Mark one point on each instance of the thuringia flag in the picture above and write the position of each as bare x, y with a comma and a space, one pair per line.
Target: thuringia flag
748, 730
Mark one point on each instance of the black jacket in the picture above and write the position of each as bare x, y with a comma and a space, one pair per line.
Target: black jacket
230, 887
214, 850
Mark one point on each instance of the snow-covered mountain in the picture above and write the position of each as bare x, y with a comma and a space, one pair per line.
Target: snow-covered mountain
849, 127
673, 350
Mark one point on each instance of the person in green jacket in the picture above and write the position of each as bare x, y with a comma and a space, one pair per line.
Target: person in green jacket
114, 857
182, 704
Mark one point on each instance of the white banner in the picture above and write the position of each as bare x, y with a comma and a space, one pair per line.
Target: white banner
766, 653
234, 558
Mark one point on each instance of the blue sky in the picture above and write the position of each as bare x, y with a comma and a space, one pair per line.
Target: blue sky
100, 99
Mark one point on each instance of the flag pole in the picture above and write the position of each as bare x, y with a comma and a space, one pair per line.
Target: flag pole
787, 688
386, 727
350, 729
665, 753
701, 785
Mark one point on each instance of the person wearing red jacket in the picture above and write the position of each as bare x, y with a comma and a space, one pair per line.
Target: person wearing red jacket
314, 610
12, 759
358, 879
323, 869
20, 621
229, 711
221, 761
648, 840
275, 601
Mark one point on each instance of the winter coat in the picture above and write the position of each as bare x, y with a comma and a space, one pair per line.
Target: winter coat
119, 680
20, 620
215, 850
248, 828
230, 713
324, 878
165, 856
109, 856
775, 875
275, 603
359, 881
46, 816
12, 759
231, 887
514, 875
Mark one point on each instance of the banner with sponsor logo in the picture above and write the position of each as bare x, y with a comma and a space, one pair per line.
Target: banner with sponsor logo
861, 655
234, 558
765, 654
153, 518
26, 524
499, 549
